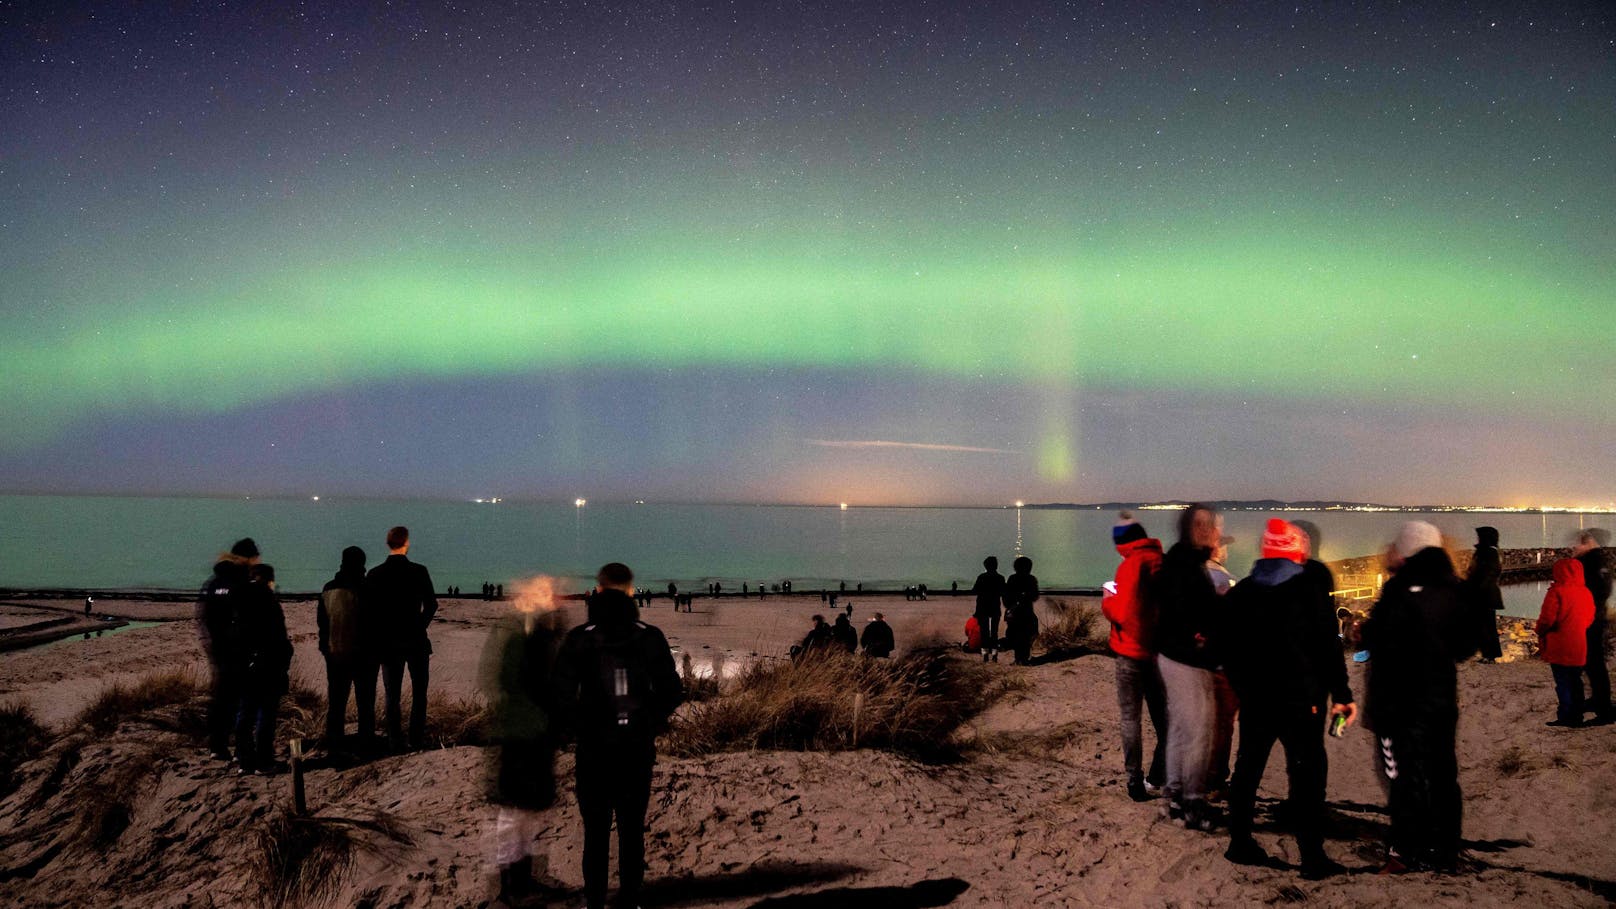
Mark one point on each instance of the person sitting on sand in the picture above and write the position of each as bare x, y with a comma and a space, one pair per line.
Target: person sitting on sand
1131, 641
989, 593
1021, 619
266, 652
615, 687
1283, 656
844, 634
1562, 633
877, 640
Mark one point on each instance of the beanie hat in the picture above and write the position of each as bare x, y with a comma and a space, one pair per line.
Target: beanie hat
353, 557
1127, 530
1415, 536
1284, 540
245, 548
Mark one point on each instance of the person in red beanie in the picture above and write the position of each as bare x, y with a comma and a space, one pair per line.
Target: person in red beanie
1137, 678
1284, 659
1562, 634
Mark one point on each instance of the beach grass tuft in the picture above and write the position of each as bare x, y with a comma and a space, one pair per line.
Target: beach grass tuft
1078, 627
303, 860
22, 738
457, 721
119, 702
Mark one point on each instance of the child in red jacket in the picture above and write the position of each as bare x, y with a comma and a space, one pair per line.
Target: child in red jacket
1137, 678
1562, 628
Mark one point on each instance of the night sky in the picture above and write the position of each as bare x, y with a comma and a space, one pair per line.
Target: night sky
698, 252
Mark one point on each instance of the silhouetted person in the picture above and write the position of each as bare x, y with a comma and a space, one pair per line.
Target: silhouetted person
1482, 596
1021, 619
841, 587
846, 637
344, 640
1282, 653
1415, 634
89, 606
1562, 633
877, 640
1596, 574
673, 590
403, 603
953, 588
217, 613
1132, 640
266, 650
499, 591
922, 591
818, 638
989, 593
615, 688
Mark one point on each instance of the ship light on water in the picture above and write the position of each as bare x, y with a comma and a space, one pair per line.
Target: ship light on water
844, 506
1020, 503
579, 503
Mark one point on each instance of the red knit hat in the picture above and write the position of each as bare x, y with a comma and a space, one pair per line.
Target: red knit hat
1284, 540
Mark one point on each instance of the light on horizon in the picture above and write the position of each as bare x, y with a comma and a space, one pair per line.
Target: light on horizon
579, 503
844, 506
315, 498
1019, 503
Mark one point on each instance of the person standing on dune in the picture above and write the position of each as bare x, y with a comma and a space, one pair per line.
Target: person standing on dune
989, 593
403, 602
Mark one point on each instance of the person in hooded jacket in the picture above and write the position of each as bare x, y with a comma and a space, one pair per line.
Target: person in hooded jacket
615, 687
989, 593
1187, 605
217, 611
350, 663
1481, 589
844, 634
1562, 633
818, 639
266, 652
1416, 633
1020, 617
878, 640
1138, 679
1590, 551
1283, 656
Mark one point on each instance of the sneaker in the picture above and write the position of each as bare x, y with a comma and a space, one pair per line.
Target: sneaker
1200, 816
225, 756
1245, 851
1172, 810
1153, 788
1137, 791
1601, 719
1320, 867
1565, 724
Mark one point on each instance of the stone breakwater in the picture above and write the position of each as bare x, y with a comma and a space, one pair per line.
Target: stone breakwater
1360, 577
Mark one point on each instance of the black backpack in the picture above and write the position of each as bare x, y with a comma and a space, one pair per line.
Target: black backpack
622, 702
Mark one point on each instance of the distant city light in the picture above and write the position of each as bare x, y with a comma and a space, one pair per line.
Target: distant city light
579, 503
315, 498
1020, 503
844, 506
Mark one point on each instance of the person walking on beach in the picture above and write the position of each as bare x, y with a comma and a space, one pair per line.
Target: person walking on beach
1138, 679
878, 640
989, 593
615, 689
1280, 647
266, 652
1482, 595
1186, 605
217, 613
344, 640
1415, 634
1021, 620
403, 603
1596, 573
1562, 633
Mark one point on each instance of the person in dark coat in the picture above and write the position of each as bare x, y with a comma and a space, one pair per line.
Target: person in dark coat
1186, 605
1282, 654
878, 640
1415, 634
818, 639
403, 601
266, 652
217, 612
1482, 593
989, 593
844, 634
515, 674
1021, 619
350, 663
615, 689
1596, 574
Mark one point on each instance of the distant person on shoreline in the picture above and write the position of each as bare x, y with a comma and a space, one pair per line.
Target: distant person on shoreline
89, 606
878, 640
1483, 598
1596, 573
1562, 633
217, 613
1416, 633
403, 603
267, 655
989, 593
344, 641
615, 689
1021, 619
1138, 679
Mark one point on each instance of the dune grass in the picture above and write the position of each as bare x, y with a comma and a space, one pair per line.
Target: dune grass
118, 701
455, 721
1078, 627
22, 738
304, 860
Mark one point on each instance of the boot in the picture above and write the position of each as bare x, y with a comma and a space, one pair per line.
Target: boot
516, 882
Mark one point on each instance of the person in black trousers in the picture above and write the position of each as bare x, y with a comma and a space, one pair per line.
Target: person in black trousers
345, 632
989, 593
1481, 588
1021, 620
615, 688
217, 611
1590, 551
403, 602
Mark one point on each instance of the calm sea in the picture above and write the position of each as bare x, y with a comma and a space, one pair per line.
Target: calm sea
64, 541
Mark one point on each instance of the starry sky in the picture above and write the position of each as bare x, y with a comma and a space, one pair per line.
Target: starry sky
899, 253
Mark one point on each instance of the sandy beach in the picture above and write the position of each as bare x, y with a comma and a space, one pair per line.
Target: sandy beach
1034, 814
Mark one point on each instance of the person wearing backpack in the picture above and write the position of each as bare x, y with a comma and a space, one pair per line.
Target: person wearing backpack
615, 689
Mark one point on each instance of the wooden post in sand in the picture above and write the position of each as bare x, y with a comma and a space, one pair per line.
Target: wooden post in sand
300, 804
858, 706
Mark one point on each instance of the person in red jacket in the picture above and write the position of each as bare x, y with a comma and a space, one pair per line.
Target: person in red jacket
1137, 676
1562, 633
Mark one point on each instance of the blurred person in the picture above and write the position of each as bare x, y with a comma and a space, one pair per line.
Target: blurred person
1138, 679
403, 602
818, 638
1483, 597
350, 663
989, 593
266, 654
1282, 650
1596, 573
1562, 633
877, 640
1223, 694
1021, 619
615, 689
843, 633
1187, 605
217, 613
1415, 635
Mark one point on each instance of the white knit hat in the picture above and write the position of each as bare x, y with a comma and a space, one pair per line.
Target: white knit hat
1415, 536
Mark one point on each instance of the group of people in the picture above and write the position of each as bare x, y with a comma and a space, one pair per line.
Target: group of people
841, 637
1012, 600
243, 633
1197, 649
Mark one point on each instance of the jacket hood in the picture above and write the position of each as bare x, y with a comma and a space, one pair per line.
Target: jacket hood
1429, 565
1148, 544
1274, 572
348, 577
612, 609
1486, 536
1568, 572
